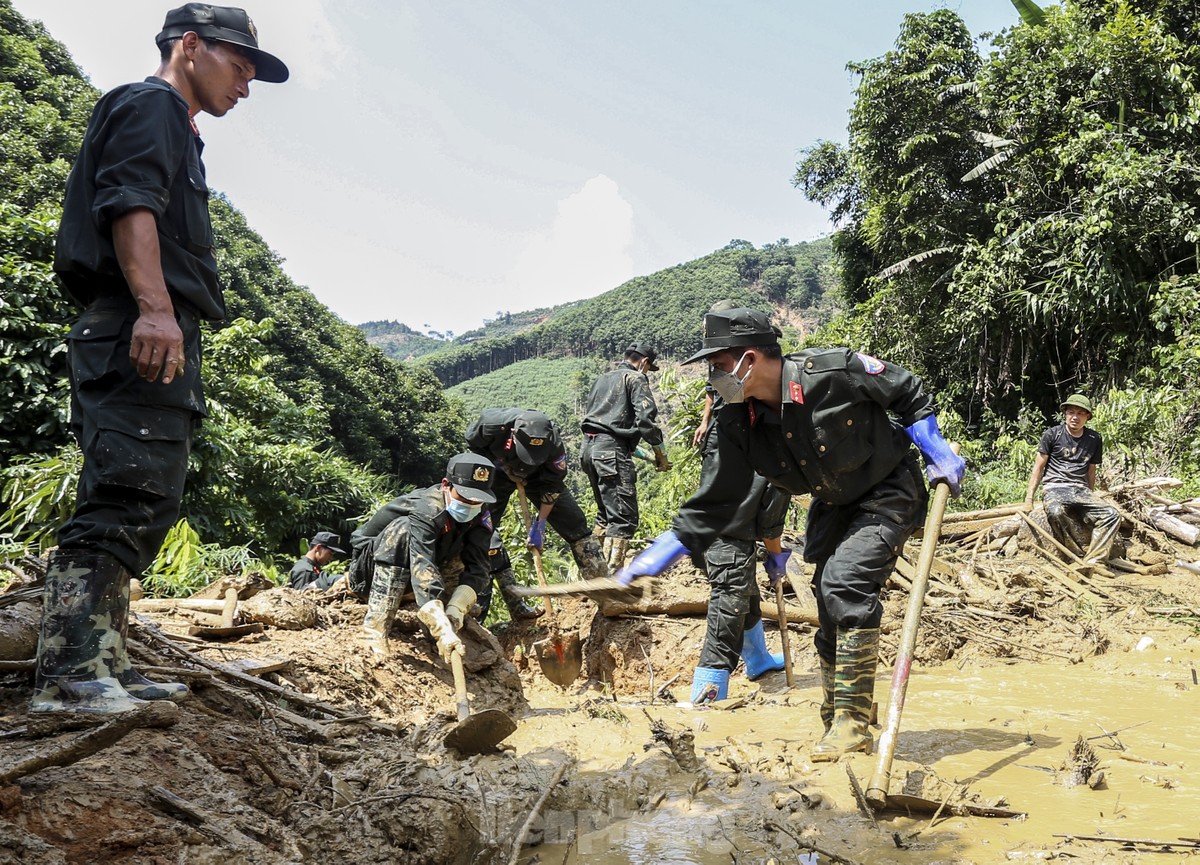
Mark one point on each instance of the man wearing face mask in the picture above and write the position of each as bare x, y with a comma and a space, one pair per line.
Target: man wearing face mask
620, 412
839, 425
429, 536
526, 447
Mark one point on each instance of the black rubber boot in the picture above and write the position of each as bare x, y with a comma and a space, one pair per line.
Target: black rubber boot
79, 637
518, 609
131, 680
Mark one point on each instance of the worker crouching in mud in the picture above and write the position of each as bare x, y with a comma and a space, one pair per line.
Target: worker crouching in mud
436, 535
839, 425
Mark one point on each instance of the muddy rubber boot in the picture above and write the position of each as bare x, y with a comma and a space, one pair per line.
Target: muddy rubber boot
616, 554
853, 688
518, 609
131, 680
386, 588
827, 680
590, 559
755, 655
75, 649
709, 685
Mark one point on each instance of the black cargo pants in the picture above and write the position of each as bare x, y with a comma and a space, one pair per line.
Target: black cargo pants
135, 436
607, 462
855, 547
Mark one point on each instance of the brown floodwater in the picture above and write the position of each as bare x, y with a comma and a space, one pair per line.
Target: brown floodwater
1002, 729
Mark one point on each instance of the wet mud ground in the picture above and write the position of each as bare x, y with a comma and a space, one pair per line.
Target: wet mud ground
994, 721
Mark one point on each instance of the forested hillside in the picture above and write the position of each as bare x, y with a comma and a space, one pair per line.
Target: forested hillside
309, 423
664, 308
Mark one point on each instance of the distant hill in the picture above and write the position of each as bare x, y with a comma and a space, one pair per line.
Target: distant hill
664, 309
556, 386
399, 341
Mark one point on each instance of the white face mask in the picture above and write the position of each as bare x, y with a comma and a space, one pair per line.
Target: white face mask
727, 384
461, 511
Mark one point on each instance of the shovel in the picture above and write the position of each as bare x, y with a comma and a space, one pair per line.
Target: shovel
558, 655
478, 733
877, 791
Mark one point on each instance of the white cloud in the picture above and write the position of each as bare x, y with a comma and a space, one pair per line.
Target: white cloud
585, 251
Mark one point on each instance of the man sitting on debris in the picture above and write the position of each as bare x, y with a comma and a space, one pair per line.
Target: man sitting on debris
527, 448
840, 425
1066, 464
309, 572
436, 535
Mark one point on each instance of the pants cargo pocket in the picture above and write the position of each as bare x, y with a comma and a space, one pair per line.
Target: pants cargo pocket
143, 448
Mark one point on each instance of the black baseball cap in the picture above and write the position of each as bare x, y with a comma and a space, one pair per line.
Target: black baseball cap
471, 476
735, 328
645, 350
224, 24
533, 434
328, 539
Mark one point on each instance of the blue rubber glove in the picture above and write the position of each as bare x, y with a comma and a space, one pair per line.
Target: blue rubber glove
537, 533
656, 558
941, 463
777, 565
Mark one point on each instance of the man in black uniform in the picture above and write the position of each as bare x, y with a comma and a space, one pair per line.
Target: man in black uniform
1068, 455
135, 251
431, 537
837, 424
528, 449
620, 412
309, 570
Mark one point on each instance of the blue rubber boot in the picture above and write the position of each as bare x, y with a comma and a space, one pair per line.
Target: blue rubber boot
709, 685
755, 655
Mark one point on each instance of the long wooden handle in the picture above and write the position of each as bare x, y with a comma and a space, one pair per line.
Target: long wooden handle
781, 613
460, 686
877, 790
537, 555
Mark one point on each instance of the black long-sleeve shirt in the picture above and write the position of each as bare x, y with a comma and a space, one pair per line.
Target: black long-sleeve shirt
621, 405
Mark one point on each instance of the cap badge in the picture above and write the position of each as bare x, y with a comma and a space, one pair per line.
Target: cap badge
251, 29
481, 474
537, 443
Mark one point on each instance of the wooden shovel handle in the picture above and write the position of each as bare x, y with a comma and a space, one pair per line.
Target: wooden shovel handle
781, 613
537, 555
460, 686
877, 790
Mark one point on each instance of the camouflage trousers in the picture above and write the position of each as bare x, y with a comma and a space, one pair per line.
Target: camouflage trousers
1080, 520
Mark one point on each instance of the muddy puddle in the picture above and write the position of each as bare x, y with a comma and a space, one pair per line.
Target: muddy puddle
1004, 730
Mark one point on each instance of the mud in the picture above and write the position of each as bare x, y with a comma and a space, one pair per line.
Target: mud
995, 711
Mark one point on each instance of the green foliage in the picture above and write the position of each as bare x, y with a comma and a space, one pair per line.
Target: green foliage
37, 496
1072, 261
185, 564
32, 352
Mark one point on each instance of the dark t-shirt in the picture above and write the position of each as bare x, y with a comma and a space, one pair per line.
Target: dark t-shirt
140, 151
1070, 456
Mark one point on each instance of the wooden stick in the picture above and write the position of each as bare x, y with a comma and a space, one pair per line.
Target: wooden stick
86, 744
229, 611
537, 809
1053, 540
990, 514
877, 790
1141, 842
18, 666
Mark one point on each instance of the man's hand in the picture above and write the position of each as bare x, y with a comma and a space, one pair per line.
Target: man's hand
157, 346
700, 433
661, 462
776, 565
537, 533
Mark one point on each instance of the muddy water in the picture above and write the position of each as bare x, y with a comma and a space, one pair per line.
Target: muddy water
1000, 729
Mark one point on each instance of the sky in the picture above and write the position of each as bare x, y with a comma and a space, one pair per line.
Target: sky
439, 161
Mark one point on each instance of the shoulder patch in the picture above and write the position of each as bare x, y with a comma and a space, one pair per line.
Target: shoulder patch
796, 392
872, 365
487, 520
561, 463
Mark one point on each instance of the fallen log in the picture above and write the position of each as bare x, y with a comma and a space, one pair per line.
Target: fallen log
163, 605
1173, 526
1190, 844
989, 514
684, 607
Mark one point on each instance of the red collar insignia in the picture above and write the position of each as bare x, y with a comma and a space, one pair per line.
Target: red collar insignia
796, 392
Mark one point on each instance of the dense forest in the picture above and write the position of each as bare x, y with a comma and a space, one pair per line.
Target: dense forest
1014, 219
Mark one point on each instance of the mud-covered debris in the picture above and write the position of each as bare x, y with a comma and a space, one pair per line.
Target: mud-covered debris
281, 608
681, 744
1080, 764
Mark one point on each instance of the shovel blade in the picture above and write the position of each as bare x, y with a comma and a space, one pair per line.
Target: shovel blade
481, 732
560, 657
